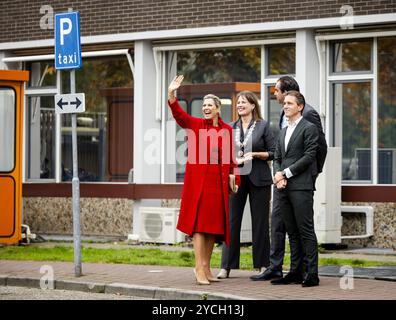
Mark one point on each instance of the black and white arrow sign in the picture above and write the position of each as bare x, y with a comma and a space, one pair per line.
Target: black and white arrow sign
70, 103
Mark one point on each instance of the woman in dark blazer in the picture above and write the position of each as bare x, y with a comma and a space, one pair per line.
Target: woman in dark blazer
255, 145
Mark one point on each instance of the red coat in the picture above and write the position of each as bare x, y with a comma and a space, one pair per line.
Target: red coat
195, 171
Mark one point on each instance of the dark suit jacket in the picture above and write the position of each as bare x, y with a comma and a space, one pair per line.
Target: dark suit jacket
300, 155
262, 141
310, 114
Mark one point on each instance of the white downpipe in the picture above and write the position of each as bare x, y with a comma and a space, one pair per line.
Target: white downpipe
322, 81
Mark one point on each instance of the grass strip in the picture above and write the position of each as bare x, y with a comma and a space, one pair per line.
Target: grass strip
141, 256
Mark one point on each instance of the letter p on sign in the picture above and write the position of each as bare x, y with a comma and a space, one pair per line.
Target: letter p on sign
67, 41
64, 31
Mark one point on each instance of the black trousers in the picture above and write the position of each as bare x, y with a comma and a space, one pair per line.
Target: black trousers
278, 233
298, 215
259, 198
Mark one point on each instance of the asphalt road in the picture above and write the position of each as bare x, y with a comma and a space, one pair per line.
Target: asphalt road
22, 293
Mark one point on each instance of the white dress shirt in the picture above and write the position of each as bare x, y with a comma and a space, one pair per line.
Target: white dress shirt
289, 131
284, 122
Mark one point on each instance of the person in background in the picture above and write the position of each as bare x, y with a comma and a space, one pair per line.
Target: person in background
255, 146
204, 209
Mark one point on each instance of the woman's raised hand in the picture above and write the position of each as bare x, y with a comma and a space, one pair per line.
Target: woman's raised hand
174, 85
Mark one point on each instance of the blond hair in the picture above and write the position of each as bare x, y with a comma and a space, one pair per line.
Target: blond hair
216, 100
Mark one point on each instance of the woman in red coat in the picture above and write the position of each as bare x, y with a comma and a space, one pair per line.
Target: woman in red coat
204, 206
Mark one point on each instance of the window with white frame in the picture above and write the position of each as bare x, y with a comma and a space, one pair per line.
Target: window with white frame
223, 72
386, 110
362, 77
41, 121
352, 107
280, 60
104, 130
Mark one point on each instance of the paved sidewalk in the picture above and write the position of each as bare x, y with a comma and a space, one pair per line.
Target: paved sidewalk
177, 283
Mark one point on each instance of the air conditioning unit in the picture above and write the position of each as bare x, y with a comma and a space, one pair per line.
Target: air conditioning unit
158, 225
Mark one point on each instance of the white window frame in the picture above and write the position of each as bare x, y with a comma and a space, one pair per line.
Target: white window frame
159, 57
372, 76
348, 77
37, 91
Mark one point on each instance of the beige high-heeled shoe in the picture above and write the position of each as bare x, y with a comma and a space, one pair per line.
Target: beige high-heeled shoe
202, 282
223, 274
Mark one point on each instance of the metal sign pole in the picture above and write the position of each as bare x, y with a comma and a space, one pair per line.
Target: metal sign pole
68, 56
76, 187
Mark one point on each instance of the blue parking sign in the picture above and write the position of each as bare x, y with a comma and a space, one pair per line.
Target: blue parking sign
67, 41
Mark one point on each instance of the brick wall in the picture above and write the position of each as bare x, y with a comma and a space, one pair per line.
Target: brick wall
20, 19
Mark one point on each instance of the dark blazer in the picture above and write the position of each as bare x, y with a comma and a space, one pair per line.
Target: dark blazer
262, 141
300, 155
310, 114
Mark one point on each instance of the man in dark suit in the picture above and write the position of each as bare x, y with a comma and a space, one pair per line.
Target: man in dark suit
278, 231
294, 165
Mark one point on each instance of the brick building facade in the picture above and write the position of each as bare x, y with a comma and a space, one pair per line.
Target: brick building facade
99, 17
341, 53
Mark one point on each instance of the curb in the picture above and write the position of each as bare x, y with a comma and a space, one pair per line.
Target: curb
155, 293
91, 287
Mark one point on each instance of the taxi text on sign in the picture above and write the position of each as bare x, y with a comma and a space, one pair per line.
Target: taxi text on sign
67, 41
